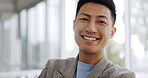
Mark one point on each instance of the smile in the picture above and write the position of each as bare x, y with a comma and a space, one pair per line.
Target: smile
89, 38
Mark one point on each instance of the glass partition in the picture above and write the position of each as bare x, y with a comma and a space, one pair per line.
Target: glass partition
115, 50
139, 36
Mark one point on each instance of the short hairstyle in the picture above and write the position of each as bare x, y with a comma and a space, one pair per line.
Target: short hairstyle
108, 3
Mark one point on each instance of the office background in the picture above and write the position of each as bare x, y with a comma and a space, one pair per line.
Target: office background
33, 31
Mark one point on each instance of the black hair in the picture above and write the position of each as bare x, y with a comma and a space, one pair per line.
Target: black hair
108, 3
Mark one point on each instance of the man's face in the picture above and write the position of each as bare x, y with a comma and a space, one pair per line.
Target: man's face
93, 28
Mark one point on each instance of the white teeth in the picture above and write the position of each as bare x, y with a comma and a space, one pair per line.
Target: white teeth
90, 39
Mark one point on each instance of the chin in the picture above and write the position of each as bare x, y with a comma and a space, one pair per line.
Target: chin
89, 51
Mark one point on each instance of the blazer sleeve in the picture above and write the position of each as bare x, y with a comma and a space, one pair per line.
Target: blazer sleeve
43, 73
129, 75
47, 72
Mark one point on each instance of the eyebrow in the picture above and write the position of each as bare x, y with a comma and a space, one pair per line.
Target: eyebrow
99, 16
85, 14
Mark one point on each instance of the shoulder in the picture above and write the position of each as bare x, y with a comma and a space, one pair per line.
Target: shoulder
115, 71
58, 63
54, 65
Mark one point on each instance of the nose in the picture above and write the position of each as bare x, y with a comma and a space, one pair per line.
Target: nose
90, 28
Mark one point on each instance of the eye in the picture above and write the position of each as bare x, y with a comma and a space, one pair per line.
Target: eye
84, 19
101, 22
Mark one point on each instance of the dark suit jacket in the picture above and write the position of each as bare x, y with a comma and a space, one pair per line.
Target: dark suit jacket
102, 69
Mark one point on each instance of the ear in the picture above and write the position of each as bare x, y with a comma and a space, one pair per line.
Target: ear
74, 21
113, 30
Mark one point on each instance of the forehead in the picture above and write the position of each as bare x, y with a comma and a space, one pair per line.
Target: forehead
94, 9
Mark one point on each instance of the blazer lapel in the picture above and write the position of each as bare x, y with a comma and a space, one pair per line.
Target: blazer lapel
98, 68
57, 74
68, 71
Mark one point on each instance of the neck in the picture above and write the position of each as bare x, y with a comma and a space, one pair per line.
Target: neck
90, 58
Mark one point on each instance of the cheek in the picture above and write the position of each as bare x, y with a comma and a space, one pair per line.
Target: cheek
104, 31
78, 28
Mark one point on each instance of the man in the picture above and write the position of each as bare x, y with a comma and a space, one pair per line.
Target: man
93, 27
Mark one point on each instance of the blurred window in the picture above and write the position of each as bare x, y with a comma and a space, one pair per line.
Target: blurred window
34, 43
53, 29
115, 50
139, 37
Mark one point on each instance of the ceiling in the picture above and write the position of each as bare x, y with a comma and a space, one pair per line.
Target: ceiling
8, 7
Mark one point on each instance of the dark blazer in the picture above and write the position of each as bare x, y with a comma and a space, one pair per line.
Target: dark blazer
66, 69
